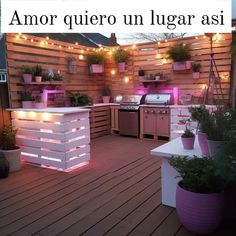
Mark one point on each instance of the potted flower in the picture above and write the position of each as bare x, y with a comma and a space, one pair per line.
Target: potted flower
78, 99
9, 148
180, 54
188, 137
141, 74
27, 74
106, 93
121, 57
95, 62
72, 65
38, 102
38, 73
196, 70
26, 99
199, 196
4, 166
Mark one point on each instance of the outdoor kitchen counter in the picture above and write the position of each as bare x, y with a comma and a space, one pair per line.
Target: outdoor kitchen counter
53, 137
168, 173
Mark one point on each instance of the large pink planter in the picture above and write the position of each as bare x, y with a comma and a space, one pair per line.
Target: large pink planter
202, 140
121, 67
106, 99
27, 78
188, 143
199, 213
27, 104
214, 147
181, 65
96, 68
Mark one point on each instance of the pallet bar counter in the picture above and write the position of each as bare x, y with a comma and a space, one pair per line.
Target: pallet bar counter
53, 137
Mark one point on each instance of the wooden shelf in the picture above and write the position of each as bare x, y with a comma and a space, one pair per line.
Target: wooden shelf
45, 83
153, 81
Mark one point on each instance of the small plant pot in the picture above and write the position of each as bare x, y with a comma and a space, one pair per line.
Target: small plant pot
141, 78
214, 146
199, 213
96, 69
121, 66
188, 143
202, 140
72, 67
27, 104
157, 77
196, 75
39, 105
13, 157
27, 78
181, 65
106, 99
38, 79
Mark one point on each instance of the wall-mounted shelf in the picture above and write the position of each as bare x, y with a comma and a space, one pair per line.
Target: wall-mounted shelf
45, 83
147, 82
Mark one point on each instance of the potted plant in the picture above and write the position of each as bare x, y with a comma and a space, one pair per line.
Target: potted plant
188, 137
141, 74
158, 76
72, 65
78, 99
196, 70
38, 73
38, 104
26, 99
180, 54
106, 93
9, 148
121, 57
202, 115
95, 62
27, 74
199, 196
4, 166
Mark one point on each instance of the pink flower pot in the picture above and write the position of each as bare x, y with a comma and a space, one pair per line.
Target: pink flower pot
72, 67
27, 104
96, 68
202, 140
39, 105
106, 99
27, 78
196, 75
121, 67
214, 146
38, 79
188, 143
199, 213
181, 65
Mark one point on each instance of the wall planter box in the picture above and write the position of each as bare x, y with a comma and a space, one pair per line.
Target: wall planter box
27, 78
182, 65
121, 66
72, 67
96, 69
27, 104
196, 75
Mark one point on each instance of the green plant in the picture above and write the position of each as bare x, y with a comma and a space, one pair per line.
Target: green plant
187, 132
26, 70
38, 70
52, 77
179, 52
196, 67
106, 91
200, 175
37, 99
8, 138
78, 99
141, 72
71, 59
121, 55
26, 96
96, 58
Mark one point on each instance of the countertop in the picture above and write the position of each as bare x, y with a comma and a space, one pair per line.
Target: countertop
174, 106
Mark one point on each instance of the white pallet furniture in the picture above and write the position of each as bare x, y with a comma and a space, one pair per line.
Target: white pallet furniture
168, 173
53, 137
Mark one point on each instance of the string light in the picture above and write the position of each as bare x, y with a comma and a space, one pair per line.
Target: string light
166, 40
196, 37
204, 36
158, 43
113, 72
76, 43
158, 55
164, 61
81, 57
82, 51
17, 36
134, 46
110, 53
59, 46
52, 44
31, 40
126, 79
47, 38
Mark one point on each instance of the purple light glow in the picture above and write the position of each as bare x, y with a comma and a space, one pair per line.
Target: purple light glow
176, 95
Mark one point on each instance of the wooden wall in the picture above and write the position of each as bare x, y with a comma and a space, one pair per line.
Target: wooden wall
4, 115
143, 56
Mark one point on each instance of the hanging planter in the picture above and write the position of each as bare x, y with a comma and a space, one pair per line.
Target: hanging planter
196, 70
121, 57
96, 62
180, 54
72, 65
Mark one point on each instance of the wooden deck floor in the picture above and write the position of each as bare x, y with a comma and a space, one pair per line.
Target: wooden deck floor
118, 193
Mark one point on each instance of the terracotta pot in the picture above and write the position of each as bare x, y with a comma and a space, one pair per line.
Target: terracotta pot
202, 140
96, 68
214, 146
27, 104
188, 143
141, 77
39, 105
27, 78
13, 157
4, 167
106, 99
72, 67
181, 65
38, 79
199, 213
121, 66
196, 75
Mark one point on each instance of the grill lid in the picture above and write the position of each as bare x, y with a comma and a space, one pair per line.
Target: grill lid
129, 99
158, 99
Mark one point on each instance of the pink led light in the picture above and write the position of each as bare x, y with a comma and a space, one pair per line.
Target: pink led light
175, 95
